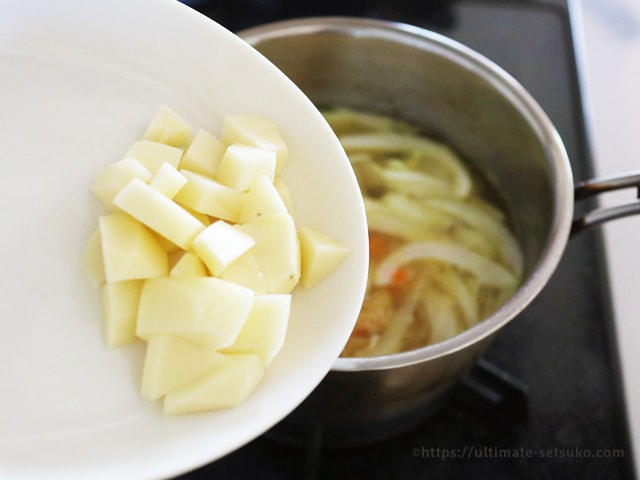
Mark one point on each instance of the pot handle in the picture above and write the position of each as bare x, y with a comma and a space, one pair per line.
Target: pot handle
595, 186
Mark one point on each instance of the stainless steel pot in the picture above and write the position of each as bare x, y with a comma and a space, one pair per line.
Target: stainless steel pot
472, 104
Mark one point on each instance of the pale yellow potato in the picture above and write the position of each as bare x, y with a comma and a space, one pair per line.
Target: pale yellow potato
263, 200
168, 127
108, 183
92, 261
120, 302
258, 131
153, 154
320, 254
189, 265
246, 272
242, 164
159, 213
219, 244
210, 197
285, 194
203, 154
227, 385
171, 362
265, 330
129, 250
206, 310
276, 251
167, 180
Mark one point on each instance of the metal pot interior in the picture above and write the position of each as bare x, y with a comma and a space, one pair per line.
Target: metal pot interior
457, 96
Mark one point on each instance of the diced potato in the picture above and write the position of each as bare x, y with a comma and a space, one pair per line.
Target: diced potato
246, 272
120, 301
285, 194
220, 244
204, 154
189, 265
206, 310
276, 251
320, 255
113, 177
172, 362
241, 165
129, 250
257, 131
153, 154
159, 213
92, 261
205, 195
265, 329
227, 385
167, 180
262, 200
169, 128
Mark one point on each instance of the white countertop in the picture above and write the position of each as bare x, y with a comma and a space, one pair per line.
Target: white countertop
608, 40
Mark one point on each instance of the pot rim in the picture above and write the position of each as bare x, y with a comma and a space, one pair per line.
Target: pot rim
519, 97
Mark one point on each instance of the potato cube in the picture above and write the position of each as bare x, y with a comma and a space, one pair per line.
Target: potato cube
167, 180
189, 265
159, 213
120, 301
172, 362
153, 154
276, 251
168, 127
205, 195
246, 272
203, 155
241, 165
227, 385
285, 194
257, 131
262, 200
320, 255
114, 177
265, 330
219, 244
92, 261
129, 250
206, 310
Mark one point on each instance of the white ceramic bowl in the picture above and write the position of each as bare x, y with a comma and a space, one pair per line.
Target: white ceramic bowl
80, 81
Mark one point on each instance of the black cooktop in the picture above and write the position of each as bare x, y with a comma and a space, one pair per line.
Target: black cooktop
546, 400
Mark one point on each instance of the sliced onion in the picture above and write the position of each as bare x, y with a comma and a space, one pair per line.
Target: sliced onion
486, 271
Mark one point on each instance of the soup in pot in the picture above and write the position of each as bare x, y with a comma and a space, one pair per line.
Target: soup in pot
442, 256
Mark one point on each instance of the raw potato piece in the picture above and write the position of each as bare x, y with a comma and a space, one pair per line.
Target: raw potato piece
265, 329
159, 213
262, 200
168, 127
246, 272
189, 265
171, 362
167, 180
112, 178
257, 131
227, 385
153, 154
220, 244
205, 195
92, 261
129, 250
120, 301
320, 255
203, 155
276, 251
206, 310
242, 164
